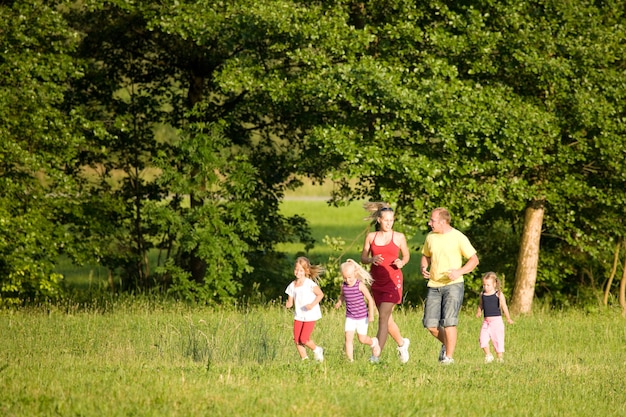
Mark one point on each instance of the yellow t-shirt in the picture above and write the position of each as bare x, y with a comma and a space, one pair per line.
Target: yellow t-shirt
446, 251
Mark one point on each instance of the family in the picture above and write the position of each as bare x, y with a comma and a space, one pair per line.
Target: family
447, 255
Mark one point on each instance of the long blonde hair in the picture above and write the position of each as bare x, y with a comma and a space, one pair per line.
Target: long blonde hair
360, 273
311, 271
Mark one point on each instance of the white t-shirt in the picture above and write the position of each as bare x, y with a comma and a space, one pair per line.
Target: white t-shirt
302, 296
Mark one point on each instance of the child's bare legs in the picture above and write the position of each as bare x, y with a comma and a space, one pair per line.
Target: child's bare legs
302, 331
365, 339
311, 345
350, 345
371, 342
301, 350
488, 355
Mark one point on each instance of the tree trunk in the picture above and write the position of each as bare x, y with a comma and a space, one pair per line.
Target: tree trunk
609, 283
197, 265
528, 259
622, 290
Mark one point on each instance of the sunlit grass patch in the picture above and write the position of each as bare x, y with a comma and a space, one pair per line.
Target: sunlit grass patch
146, 358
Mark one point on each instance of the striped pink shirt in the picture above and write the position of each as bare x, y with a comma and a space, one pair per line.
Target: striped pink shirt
356, 308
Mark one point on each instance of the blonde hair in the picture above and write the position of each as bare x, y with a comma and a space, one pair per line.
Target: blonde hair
376, 210
494, 277
311, 271
360, 273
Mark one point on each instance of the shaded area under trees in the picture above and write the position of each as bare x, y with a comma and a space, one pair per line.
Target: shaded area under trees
174, 128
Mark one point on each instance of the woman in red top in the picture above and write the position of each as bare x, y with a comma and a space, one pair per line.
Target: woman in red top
382, 249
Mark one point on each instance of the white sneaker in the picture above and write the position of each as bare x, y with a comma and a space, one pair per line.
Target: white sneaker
318, 354
442, 353
374, 359
375, 347
447, 361
404, 351
500, 360
488, 358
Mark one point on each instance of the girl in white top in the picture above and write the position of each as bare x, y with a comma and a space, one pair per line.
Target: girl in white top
305, 295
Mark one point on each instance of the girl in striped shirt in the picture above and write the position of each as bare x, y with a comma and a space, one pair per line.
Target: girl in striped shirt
359, 314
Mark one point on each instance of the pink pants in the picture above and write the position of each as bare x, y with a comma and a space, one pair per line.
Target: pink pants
492, 329
302, 331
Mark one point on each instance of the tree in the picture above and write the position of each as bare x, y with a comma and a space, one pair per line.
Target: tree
39, 147
195, 117
566, 61
492, 109
236, 80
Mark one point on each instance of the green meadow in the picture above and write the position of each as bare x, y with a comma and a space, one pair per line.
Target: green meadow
145, 358
125, 356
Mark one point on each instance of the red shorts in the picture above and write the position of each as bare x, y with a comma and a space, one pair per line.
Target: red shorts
302, 331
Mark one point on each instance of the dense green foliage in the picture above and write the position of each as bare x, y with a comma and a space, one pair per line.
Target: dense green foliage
486, 108
172, 130
38, 147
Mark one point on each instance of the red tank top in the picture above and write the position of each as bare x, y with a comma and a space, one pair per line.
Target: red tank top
386, 275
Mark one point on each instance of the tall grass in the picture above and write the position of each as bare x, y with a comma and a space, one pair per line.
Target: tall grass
145, 358
128, 356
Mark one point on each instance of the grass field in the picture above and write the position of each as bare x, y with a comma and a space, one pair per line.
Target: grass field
143, 358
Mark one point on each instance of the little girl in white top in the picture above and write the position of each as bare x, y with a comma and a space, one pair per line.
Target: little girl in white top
305, 294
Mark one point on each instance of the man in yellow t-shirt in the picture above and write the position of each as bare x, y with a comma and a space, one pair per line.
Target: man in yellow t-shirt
443, 254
